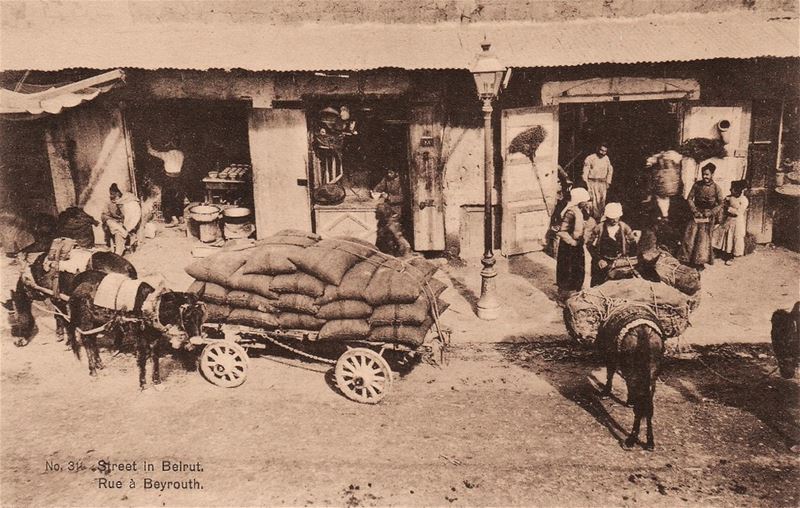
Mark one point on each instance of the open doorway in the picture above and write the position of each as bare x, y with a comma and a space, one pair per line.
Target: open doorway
210, 136
633, 132
354, 143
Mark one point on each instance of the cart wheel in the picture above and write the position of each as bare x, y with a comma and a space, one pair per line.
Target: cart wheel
224, 364
363, 375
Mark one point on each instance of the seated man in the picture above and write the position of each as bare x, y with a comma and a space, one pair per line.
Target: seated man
121, 219
609, 241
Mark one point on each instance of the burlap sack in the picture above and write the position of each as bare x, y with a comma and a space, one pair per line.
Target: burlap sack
409, 335
405, 313
254, 283
246, 300
268, 259
330, 259
410, 313
344, 329
345, 309
218, 268
354, 283
293, 302
215, 293
254, 318
295, 321
300, 283
394, 282
216, 313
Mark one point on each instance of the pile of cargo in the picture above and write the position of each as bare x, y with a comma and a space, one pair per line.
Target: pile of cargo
344, 288
587, 311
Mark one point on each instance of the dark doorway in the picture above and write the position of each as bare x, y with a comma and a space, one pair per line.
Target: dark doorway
633, 132
211, 134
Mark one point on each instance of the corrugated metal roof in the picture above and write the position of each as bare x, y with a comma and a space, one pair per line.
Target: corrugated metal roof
320, 47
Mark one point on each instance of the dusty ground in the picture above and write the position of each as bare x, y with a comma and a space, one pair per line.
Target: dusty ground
512, 420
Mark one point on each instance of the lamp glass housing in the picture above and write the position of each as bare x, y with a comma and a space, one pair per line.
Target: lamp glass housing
488, 73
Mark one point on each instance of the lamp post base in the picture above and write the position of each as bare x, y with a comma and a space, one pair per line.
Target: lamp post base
488, 304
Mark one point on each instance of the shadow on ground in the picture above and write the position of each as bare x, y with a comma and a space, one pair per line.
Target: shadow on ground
538, 275
737, 376
740, 376
565, 366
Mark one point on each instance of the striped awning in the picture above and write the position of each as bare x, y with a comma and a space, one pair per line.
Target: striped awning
37, 99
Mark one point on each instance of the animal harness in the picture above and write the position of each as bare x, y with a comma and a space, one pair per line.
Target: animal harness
117, 292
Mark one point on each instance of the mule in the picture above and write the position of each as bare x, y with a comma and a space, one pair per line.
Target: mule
632, 343
19, 305
147, 321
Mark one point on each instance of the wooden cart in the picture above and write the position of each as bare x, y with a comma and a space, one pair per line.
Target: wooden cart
362, 371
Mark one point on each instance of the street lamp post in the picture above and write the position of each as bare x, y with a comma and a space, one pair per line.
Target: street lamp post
488, 74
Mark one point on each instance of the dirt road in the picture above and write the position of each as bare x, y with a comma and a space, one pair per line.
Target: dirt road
512, 424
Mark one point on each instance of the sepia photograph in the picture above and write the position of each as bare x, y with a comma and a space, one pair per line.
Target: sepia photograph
399, 253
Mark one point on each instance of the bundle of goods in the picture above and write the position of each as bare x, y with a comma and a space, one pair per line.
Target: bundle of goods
666, 173
588, 310
660, 265
344, 288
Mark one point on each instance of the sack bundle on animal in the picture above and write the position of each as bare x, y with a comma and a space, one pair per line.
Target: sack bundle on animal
585, 312
672, 272
342, 287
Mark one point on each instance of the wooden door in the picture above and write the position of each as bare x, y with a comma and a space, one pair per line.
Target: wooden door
426, 176
762, 164
279, 155
529, 187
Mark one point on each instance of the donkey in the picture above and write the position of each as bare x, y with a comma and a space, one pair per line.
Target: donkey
632, 342
21, 297
147, 320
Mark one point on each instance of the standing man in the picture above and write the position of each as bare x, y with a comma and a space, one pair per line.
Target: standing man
172, 184
123, 216
598, 173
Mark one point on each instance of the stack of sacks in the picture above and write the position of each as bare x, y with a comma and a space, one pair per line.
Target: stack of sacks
585, 312
342, 287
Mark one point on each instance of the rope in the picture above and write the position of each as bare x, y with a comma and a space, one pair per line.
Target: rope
269, 337
54, 312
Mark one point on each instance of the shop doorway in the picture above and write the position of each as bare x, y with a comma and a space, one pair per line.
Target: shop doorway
633, 131
211, 136
354, 143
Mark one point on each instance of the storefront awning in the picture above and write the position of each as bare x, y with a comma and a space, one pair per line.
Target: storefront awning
36, 100
125, 42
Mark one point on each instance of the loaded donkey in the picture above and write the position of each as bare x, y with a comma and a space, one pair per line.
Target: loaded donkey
102, 303
45, 280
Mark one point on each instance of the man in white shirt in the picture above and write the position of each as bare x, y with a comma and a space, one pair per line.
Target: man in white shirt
598, 173
172, 184
123, 216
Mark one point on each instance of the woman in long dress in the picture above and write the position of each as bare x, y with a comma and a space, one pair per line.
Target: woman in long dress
570, 269
729, 237
705, 202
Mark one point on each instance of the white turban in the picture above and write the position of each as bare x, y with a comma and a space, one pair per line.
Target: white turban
613, 211
577, 195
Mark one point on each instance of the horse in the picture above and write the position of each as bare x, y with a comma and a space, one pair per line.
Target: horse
632, 342
149, 315
21, 297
